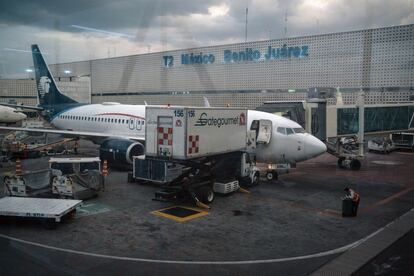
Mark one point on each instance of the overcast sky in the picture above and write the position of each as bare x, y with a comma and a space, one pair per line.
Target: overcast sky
80, 30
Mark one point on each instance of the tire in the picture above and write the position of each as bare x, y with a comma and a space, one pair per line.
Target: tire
256, 178
206, 194
49, 224
271, 175
355, 165
130, 178
340, 163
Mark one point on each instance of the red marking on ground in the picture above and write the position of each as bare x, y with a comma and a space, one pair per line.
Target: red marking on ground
121, 114
387, 200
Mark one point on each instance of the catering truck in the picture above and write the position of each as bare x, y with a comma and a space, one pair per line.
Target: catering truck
196, 151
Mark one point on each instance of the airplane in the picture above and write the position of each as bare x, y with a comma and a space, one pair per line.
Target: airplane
9, 115
119, 129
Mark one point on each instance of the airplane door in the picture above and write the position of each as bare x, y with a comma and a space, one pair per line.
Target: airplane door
264, 133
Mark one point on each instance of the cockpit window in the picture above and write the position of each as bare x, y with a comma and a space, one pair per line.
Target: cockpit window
289, 131
299, 130
281, 130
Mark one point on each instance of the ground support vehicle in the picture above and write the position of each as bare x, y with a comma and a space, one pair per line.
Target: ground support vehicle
76, 177
197, 152
381, 145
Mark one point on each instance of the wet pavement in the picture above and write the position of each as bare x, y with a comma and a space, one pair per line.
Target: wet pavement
290, 226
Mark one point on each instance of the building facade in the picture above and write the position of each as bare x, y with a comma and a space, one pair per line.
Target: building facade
379, 61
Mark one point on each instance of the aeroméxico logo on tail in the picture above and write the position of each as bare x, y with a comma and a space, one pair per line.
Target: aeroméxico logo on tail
44, 86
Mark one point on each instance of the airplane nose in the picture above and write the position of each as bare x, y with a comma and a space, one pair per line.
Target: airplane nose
22, 116
314, 146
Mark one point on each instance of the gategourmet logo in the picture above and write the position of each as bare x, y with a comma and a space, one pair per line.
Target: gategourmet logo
205, 120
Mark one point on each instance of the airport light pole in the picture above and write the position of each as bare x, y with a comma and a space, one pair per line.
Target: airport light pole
361, 122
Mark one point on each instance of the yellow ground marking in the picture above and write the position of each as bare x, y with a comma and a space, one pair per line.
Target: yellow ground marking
180, 219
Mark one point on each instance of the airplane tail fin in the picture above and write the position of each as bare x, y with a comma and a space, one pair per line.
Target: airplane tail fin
206, 102
50, 97
48, 92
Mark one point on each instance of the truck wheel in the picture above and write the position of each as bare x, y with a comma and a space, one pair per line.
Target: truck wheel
271, 175
49, 224
130, 177
206, 194
256, 178
341, 163
355, 165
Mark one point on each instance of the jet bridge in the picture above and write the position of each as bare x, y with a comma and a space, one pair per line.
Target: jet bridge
339, 125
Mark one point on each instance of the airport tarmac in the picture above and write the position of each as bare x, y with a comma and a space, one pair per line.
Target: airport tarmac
291, 226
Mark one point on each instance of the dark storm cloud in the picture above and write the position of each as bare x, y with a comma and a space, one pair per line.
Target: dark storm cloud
105, 14
306, 17
173, 24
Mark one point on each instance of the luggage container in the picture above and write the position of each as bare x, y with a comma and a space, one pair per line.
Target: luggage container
347, 208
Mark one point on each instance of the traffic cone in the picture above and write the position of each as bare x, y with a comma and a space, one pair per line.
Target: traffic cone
104, 173
105, 168
18, 167
25, 151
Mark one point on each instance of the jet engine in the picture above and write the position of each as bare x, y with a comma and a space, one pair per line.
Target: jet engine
119, 152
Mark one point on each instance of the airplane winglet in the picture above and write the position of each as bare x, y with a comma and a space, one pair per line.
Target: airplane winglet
206, 102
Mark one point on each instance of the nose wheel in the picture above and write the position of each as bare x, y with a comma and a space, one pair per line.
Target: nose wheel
353, 164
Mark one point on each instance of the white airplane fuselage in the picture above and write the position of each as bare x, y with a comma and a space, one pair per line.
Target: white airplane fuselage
120, 128
129, 120
10, 115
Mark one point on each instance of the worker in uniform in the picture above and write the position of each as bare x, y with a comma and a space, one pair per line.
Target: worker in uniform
354, 196
75, 149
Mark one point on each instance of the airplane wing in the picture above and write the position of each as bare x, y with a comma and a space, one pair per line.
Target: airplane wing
23, 106
71, 133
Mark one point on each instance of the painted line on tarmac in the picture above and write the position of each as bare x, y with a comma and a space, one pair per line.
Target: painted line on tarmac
248, 262
405, 153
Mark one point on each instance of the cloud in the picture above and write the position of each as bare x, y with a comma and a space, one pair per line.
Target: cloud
174, 24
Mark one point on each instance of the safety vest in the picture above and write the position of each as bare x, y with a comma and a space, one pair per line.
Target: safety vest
354, 195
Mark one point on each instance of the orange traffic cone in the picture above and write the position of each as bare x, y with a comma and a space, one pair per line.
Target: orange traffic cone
18, 167
105, 168
25, 151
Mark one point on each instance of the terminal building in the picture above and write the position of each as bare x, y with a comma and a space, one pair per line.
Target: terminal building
378, 61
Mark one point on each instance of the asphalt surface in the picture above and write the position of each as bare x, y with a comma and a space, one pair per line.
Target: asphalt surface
398, 259
297, 216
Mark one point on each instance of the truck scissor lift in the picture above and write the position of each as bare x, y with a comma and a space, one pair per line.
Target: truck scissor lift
196, 152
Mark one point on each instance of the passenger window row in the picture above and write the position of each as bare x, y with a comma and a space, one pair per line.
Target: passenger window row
289, 131
98, 119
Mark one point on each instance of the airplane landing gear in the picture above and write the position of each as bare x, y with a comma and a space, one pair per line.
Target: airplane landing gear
353, 164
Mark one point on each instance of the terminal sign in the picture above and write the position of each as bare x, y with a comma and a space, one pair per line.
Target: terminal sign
272, 53
249, 54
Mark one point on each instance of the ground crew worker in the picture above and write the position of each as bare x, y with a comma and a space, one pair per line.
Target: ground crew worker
76, 147
354, 196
